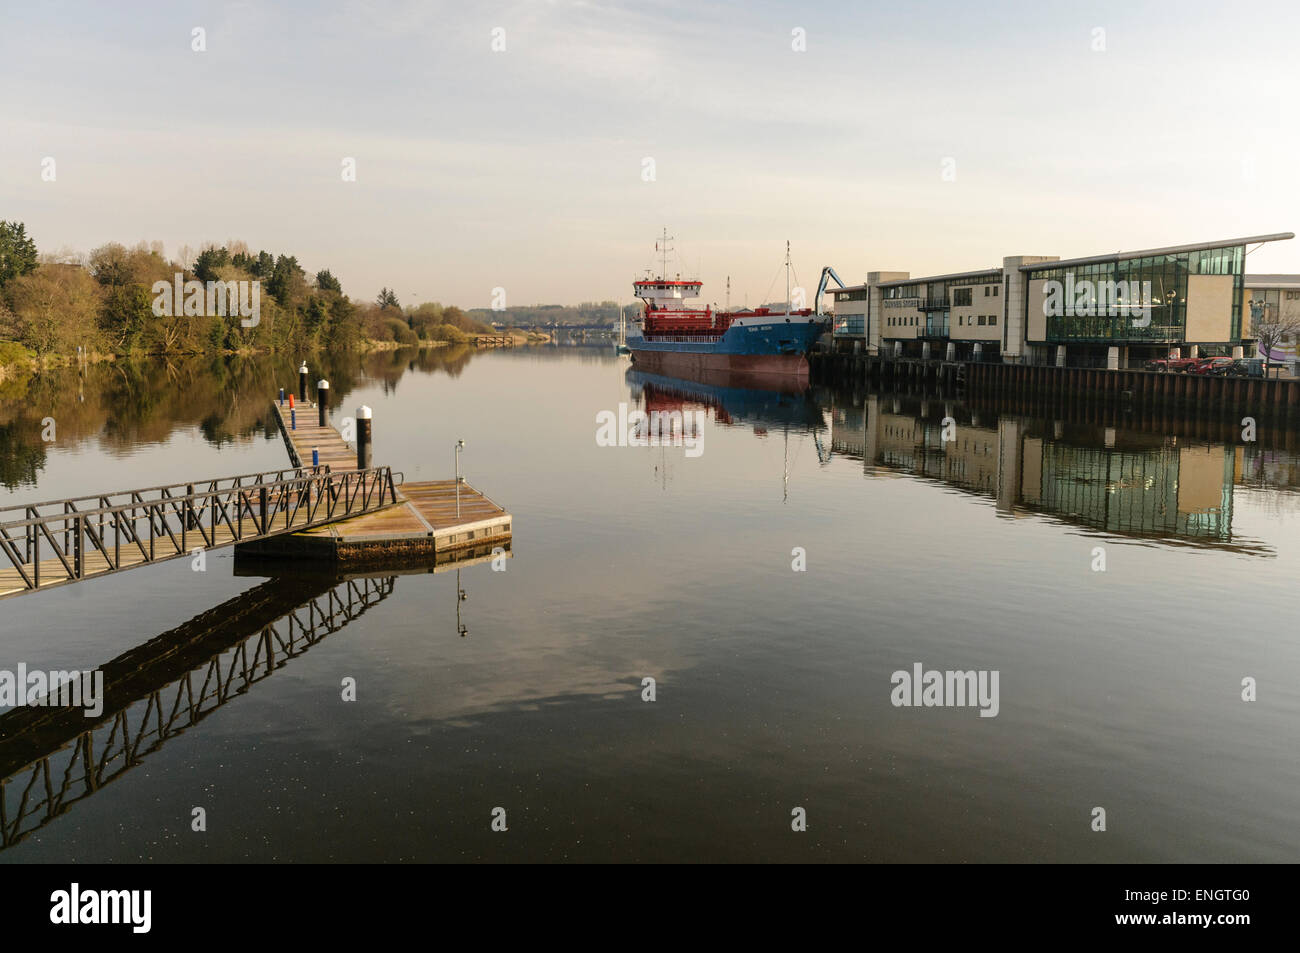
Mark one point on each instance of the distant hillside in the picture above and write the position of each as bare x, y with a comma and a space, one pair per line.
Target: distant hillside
545, 315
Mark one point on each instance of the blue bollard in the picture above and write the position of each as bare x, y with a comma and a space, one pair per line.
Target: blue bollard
293, 419
281, 396
315, 457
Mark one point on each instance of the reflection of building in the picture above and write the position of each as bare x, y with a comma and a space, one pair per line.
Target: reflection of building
1113, 480
1183, 491
1114, 310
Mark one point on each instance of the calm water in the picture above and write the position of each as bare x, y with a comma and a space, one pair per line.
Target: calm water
1119, 689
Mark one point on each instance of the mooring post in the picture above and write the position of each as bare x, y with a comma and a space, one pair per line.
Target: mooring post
293, 418
281, 396
365, 432
315, 456
302, 382
322, 400
460, 445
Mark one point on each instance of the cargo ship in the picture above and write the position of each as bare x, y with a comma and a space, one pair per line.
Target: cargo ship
681, 339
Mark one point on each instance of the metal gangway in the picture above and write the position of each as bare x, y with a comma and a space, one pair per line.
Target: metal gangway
43, 545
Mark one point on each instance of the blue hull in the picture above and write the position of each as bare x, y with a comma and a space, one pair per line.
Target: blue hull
763, 346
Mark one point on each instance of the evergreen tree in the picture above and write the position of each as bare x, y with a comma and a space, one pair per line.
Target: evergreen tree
17, 251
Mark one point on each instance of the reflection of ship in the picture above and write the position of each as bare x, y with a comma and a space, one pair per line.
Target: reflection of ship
621, 347
677, 339
728, 401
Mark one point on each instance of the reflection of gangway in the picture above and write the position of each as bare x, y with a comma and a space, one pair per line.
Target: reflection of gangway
49, 759
64, 541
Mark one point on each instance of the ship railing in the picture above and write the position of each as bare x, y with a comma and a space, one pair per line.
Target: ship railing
683, 338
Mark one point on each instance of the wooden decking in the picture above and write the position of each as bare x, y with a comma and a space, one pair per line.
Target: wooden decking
423, 523
334, 453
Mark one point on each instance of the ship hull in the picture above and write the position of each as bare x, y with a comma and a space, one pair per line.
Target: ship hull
759, 349
699, 363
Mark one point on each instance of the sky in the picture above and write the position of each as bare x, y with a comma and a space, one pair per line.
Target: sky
919, 137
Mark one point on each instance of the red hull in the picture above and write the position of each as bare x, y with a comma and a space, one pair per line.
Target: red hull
786, 367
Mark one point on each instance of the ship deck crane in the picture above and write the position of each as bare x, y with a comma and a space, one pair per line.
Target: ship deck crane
827, 273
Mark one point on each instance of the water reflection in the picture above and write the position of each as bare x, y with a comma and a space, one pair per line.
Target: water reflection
122, 405
1108, 476
1117, 476
52, 758
730, 400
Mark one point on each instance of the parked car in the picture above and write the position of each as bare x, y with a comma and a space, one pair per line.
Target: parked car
1181, 365
1210, 365
1169, 364
1242, 367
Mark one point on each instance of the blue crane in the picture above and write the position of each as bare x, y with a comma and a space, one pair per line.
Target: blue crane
827, 273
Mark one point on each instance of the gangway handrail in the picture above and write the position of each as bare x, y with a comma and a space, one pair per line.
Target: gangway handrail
177, 525
257, 477
197, 494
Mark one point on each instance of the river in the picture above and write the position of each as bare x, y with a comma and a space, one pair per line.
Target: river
770, 577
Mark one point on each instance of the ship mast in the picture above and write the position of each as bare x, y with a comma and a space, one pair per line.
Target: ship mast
787, 276
666, 239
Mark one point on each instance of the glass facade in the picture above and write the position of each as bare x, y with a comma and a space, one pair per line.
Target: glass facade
937, 294
852, 324
1161, 284
1132, 491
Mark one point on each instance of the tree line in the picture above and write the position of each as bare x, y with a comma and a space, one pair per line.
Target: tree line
104, 302
546, 315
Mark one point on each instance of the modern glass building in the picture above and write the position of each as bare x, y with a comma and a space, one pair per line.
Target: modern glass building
1151, 302
1115, 310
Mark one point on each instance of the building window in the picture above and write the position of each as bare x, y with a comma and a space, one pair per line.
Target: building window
986, 291
981, 320
996, 289
993, 320
961, 296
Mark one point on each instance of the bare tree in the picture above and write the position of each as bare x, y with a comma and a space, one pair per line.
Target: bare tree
1271, 329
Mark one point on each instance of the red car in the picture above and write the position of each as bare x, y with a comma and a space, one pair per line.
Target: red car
1209, 365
